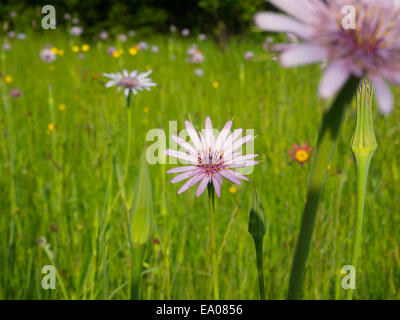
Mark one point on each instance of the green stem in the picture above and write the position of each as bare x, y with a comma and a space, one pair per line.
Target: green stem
128, 138
258, 242
211, 198
330, 128
363, 146
137, 253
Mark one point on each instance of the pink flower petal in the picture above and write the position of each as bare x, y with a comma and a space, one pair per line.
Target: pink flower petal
383, 95
180, 155
182, 169
193, 134
202, 186
302, 54
188, 147
190, 183
334, 78
296, 8
219, 178
216, 187
229, 176
278, 22
182, 176
237, 174
223, 134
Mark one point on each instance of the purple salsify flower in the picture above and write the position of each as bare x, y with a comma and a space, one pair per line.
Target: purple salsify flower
371, 47
76, 31
103, 35
185, 32
47, 55
122, 37
130, 82
111, 50
143, 45
211, 158
15, 93
249, 55
6, 46
197, 57
198, 72
202, 37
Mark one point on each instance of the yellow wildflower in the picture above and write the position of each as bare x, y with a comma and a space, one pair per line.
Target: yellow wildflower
215, 84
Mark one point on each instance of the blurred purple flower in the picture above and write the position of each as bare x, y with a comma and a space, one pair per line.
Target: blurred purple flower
76, 31
371, 49
202, 37
47, 55
103, 35
15, 93
122, 37
111, 50
249, 55
185, 32
6, 46
198, 72
143, 45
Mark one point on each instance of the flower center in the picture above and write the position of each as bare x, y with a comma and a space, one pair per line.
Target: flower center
129, 82
302, 155
374, 41
211, 162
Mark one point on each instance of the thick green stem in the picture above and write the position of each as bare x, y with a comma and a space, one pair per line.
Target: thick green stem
363, 146
258, 242
330, 128
137, 253
211, 198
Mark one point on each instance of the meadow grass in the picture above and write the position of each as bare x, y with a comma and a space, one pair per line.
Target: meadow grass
63, 185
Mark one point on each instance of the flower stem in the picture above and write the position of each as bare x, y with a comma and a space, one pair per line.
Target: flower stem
128, 138
137, 253
258, 242
211, 198
363, 146
330, 128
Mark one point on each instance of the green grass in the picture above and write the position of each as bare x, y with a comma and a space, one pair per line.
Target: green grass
60, 179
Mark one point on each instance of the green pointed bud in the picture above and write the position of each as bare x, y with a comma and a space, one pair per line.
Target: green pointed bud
363, 146
257, 229
364, 142
257, 225
142, 209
